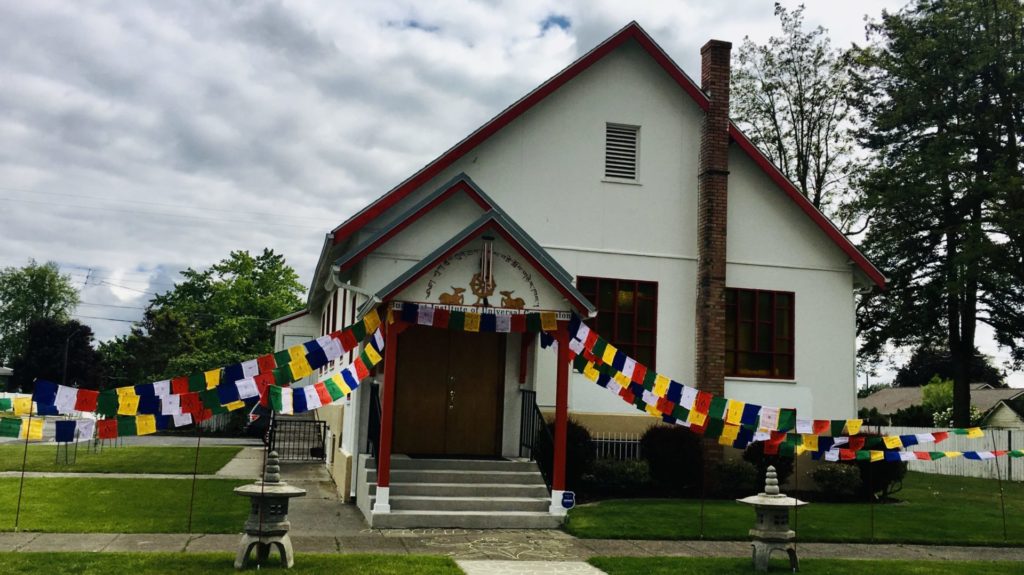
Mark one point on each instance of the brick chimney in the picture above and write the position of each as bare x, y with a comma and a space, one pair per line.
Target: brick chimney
712, 189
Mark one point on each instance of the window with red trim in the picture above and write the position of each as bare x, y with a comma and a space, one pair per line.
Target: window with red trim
627, 314
759, 333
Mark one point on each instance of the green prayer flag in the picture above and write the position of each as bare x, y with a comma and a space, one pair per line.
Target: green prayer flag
579, 363
649, 378
681, 413
282, 358
599, 347
359, 331
959, 431
936, 454
6, 404
457, 320
197, 381
218, 409
283, 375
787, 449
787, 419
126, 426
873, 441
863, 455
209, 398
837, 427
714, 428
10, 427
533, 322
333, 390
1017, 453
717, 409
276, 403
106, 403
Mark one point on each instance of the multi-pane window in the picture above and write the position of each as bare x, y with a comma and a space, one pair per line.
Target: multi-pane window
627, 312
759, 333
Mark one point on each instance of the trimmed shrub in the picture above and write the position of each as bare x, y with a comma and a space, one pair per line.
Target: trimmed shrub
837, 481
612, 478
732, 479
675, 457
579, 454
755, 454
881, 479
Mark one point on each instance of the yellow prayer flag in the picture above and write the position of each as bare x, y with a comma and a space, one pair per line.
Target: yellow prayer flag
31, 429
590, 372
952, 454
810, 441
877, 455
853, 426
124, 391
212, 378
800, 449
340, 382
975, 432
723, 440
472, 322
660, 385
300, 368
391, 316
892, 441
696, 417
371, 321
145, 424
548, 321
372, 354
234, 405
22, 405
734, 411
730, 431
295, 352
128, 405
622, 379
652, 410
608, 357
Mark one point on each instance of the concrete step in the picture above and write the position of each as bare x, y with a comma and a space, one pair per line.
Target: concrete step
459, 476
467, 519
465, 489
457, 464
440, 503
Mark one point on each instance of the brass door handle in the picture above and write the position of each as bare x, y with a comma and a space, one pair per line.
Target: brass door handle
451, 399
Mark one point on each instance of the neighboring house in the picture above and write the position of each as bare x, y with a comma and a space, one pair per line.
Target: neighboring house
5, 378
609, 192
888, 401
1007, 414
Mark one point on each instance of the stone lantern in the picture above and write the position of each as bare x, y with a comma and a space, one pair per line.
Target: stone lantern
772, 532
268, 524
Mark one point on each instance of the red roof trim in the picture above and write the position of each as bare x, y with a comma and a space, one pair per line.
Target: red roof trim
460, 186
493, 225
808, 208
631, 32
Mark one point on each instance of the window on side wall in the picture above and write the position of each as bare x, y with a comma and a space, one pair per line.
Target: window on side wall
759, 333
627, 314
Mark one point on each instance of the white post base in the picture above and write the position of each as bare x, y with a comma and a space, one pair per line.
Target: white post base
556, 503
381, 504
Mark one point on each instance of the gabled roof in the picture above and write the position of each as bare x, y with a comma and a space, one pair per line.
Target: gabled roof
633, 32
892, 399
497, 222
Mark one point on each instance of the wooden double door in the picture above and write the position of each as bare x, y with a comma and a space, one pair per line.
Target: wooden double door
448, 392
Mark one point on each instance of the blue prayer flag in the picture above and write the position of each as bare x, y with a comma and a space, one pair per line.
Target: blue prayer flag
227, 393
65, 431
233, 373
316, 358
675, 392
410, 312
44, 392
751, 414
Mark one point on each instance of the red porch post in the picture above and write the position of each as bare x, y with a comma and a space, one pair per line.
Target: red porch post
561, 419
387, 416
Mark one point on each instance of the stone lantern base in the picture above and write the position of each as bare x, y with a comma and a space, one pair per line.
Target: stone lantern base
263, 546
763, 551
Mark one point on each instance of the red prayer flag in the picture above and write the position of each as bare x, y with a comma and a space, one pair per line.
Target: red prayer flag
856, 443
847, 454
703, 402
665, 406
518, 323
179, 385
202, 415
940, 436
639, 373
820, 426
588, 343
441, 317
700, 429
106, 429
321, 390
627, 395
361, 370
923, 455
771, 448
266, 363
348, 341
86, 400
190, 403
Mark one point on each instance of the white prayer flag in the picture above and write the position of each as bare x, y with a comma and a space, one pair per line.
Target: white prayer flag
66, 397
614, 387
769, 417
502, 323
333, 349
582, 332
247, 388
425, 315
805, 426
251, 368
838, 441
323, 341
628, 367
312, 397
650, 398
832, 455
576, 346
907, 456
85, 428
170, 405
924, 437
287, 403
378, 338
689, 395
986, 455
162, 388
182, 419
762, 435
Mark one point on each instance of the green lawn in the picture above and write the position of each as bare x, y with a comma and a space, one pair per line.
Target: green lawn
118, 460
933, 509
718, 566
204, 563
82, 505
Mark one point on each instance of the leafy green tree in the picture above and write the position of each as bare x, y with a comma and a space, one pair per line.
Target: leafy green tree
46, 340
213, 318
937, 395
27, 294
789, 96
929, 361
940, 90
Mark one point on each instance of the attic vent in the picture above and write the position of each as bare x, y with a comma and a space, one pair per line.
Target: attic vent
620, 151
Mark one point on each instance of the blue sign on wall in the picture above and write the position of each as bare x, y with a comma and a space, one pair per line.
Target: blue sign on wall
568, 499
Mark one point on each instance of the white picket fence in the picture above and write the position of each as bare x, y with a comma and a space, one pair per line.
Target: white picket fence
1008, 468
617, 446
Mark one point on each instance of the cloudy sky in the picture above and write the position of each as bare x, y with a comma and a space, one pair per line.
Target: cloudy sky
140, 138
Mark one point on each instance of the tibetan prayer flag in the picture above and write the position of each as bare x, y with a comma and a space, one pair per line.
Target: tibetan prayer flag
300, 369
209, 398
503, 323
145, 390
456, 320
533, 322
296, 352
149, 404
471, 322
359, 330
837, 426
250, 368
804, 426
85, 429
66, 399
299, 400
197, 382
810, 441
106, 403
714, 428
372, 355
281, 399
233, 373
853, 426
5, 404
128, 405
820, 426
359, 366
332, 350
247, 388
32, 429
162, 388
266, 363
696, 417
350, 377
333, 389
908, 440
409, 313
282, 358
234, 405
751, 414
10, 427
179, 385
371, 321
321, 391
170, 405
857, 443
787, 419
661, 388
347, 340
182, 419
425, 315
44, 392
892, 441
877, 455
227, 393
974, 432
22, 405
940, 436
126, 391
145, 424
283, 375
126, 427
716, 409
548, 321
107, 428
608, 354
769, 418
734, 412
316, 358
190, 403
312, 398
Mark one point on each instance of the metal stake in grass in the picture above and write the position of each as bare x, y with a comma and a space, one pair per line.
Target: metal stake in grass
24, 463
999, 479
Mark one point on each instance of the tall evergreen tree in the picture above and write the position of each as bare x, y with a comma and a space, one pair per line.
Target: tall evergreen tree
941, 89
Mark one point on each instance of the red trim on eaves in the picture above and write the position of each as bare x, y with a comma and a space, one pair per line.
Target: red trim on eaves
808, 208
632, 31
460, 186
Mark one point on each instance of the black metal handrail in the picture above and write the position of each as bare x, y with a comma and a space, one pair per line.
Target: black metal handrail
373, 429
534, 436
